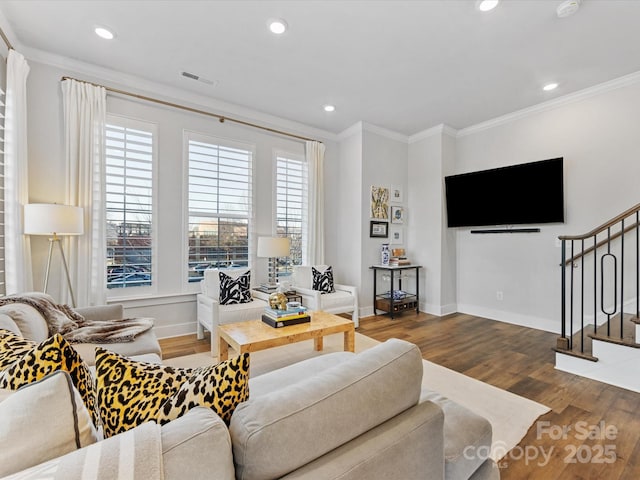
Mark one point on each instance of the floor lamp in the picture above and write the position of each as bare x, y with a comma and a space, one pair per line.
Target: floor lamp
54, 220
273, 248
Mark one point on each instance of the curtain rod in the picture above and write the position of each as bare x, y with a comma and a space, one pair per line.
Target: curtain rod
221, 118
6, 40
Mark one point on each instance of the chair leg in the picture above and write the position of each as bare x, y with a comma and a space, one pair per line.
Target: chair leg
199, 331
355, 319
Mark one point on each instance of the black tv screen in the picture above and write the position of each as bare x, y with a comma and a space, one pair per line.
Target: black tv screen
530, 193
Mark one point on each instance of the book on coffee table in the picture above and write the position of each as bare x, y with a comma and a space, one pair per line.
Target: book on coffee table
285, 322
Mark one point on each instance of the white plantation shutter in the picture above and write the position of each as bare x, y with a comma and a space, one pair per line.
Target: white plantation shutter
291, 204
3, 289
219, 203
129, 202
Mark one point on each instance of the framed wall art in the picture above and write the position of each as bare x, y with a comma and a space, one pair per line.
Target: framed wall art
395, 235
380, 203
397, 214
396, 194
378, 229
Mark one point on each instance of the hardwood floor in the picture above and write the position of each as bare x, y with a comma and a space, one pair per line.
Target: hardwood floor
567, 443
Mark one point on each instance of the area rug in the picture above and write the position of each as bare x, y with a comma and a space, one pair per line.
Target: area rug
510, 415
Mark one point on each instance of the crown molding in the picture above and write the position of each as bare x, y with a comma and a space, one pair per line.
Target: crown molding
351, 131
599, 89
124, 81
441, 129
383, 132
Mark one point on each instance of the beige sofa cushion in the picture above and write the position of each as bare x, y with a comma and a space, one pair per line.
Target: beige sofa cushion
145, 343
31, 324
312, 416
41, 421
7, 323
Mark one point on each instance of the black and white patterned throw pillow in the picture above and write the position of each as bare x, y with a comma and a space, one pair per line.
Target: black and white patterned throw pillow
323, 281
235, 290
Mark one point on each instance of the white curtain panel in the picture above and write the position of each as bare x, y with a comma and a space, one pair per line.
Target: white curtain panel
18, 273
84, 128
315, 161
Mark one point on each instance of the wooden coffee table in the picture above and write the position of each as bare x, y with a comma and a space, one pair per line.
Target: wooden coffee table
255, 335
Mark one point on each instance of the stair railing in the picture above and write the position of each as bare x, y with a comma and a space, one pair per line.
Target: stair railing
607, 244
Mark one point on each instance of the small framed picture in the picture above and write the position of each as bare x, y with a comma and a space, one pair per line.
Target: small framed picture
397, 214
396, 194
395, 235
378, 229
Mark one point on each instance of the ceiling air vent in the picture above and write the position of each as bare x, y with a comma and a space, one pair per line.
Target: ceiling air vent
193, 76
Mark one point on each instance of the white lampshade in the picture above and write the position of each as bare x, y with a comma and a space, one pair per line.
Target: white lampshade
47, 219
273, 246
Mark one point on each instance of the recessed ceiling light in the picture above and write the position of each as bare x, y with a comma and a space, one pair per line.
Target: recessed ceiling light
105, 33
278, 26
550, 86
486, 5
329, 108
568, 8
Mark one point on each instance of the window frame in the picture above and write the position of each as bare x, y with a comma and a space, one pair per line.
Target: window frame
151, 127
191, 135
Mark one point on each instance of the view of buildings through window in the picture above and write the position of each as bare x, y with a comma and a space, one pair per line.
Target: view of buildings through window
291, 208
129, 203
219, 204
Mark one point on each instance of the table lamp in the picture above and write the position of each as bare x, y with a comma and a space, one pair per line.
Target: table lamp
54, 220
273, 248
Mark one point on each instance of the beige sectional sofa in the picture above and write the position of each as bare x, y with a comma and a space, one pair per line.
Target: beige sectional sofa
27, 322
339, 415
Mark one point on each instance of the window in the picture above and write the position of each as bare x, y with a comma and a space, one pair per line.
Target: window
291, 206
129, 202
219, 203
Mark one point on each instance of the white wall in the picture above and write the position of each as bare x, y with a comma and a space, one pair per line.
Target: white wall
384, 163
598, 138
173, 301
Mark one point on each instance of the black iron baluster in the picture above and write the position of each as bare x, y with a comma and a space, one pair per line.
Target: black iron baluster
595, 283
571, 299
622, 280
582, 296
563, 281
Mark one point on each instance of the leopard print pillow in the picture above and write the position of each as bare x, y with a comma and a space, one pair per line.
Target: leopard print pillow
131, 393
12, 347
220, 387
29, 362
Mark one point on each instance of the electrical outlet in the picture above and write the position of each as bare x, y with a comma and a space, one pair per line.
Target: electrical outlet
499, 295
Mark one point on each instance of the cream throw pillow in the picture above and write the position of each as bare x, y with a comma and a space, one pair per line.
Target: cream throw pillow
41, 421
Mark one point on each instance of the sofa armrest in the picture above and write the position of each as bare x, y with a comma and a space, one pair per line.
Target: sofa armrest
197, 445
102, 312
310, 298
409, 445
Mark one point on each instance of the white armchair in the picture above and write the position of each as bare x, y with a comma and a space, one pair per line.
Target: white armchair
210, 313
343, 300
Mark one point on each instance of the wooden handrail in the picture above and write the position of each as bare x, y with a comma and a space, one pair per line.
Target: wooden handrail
600, 243
602, 227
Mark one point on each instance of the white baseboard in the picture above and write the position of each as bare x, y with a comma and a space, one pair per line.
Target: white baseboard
538, 323
175, 330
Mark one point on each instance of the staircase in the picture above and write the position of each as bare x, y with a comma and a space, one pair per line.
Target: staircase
600, 335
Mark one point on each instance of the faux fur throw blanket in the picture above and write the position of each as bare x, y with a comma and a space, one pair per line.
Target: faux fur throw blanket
75, 328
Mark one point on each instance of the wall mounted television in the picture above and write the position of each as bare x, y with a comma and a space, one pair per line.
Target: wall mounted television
529, 193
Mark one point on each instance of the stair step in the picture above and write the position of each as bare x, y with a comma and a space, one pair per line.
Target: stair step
584, 356
613, 336
616, 340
